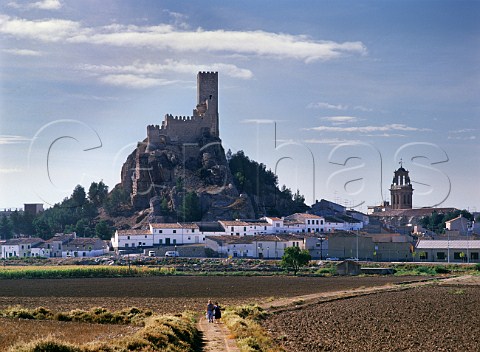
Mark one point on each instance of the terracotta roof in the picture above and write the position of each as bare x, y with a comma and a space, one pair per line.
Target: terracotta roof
303, 216
189, 225
226, 239
28, 240
234, 223
134, 232
175, 225
273, 218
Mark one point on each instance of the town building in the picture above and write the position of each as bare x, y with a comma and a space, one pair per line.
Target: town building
459, 251
20, 247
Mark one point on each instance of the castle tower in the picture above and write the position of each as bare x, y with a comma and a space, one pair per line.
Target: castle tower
401, 190
207, 98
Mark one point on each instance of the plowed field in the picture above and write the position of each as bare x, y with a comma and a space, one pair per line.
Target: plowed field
429, 318
170, 294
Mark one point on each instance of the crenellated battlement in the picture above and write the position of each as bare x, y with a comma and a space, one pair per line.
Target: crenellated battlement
190, 129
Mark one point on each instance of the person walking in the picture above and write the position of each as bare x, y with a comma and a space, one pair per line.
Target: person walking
217, 312
210, 308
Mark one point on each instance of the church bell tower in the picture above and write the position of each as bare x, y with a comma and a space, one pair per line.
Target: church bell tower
401, 190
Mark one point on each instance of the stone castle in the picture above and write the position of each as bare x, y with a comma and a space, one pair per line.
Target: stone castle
184, 154
190, 129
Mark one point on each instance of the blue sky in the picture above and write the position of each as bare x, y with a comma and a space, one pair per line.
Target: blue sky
330, 94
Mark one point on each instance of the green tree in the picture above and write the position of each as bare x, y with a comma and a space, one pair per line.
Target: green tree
97, 193
164, 208
294, 258
79, 197
115, 200
190, 209
103, 230
5, 228
82, 228
42, 229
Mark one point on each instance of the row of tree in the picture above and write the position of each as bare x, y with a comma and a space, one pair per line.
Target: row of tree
436, 221
77, 213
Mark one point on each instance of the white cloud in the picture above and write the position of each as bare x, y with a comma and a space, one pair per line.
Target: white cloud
259, 121
340, 119
167, 37
41, 5
152, 69
22, 52
363, 108
322, 105
12, 139
331, 141
10, 170
51, 30
368, 129
133, 81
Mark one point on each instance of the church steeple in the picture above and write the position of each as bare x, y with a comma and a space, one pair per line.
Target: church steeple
401, 190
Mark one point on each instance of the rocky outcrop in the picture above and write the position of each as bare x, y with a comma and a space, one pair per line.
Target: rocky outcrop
160, 179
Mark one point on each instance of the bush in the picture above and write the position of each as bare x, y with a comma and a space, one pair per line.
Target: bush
477, 267
440, 269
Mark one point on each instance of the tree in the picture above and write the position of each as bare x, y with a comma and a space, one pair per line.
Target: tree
82, 228
115, 200
294, 258
97, 193
5, 228
42, 229
103, 230
79, 196
190, 209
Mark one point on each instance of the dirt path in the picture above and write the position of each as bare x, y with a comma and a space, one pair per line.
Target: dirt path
215, 337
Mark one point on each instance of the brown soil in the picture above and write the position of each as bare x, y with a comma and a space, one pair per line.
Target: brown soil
428, 318
170, 294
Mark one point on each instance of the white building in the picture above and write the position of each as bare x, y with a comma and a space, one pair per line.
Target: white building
449, 250
20, 247
258, 246
85, 247
123, 239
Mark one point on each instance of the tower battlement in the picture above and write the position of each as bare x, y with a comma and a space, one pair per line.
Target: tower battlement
190, 129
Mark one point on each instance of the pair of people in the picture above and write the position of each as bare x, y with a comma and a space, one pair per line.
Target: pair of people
213, 312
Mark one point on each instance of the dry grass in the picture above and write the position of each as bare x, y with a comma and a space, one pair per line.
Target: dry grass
22, 331
244, 327
166, 333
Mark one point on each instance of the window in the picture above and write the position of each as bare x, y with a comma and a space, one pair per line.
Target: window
160, 231
308, 222
145, 236
232, 229
277, 225
317, 222
174, 241
458, 255
441, 255
128, 237
189, 238
244, 228
126, 245
22, 246
174, 231
321, 222
160, 241
474, 255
